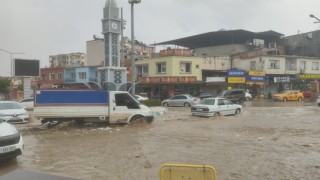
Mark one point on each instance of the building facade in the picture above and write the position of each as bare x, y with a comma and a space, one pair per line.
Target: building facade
68, 60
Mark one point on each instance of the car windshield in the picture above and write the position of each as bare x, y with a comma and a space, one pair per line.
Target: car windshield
207, 101
222, 93
4, 106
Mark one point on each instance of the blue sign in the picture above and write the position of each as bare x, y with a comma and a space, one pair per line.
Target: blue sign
236, 73
256, 78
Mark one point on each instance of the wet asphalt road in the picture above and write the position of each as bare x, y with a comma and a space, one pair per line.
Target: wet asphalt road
268, 140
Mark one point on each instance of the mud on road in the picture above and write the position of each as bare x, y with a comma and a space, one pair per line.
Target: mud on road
266, 141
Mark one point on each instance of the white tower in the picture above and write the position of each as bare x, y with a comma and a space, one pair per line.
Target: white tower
111, 76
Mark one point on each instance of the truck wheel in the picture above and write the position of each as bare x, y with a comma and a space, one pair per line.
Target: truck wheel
137, 119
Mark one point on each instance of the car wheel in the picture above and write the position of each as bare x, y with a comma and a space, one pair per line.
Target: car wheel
165, 104
285, 99
299, 99
237, 111
186, 105
248, 99
241, 101
216, 114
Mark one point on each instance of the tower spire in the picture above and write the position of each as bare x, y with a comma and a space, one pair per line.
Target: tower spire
111, 3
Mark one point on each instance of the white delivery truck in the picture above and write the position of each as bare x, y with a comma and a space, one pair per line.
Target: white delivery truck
111, 107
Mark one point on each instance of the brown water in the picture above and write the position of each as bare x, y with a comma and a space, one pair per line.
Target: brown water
274, 141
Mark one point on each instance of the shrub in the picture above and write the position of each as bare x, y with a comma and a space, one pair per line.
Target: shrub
152, 102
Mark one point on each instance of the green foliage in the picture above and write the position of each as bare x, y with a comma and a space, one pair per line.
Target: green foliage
4, 84
152, 102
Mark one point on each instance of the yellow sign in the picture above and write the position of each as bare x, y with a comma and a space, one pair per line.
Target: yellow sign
257, 73
257, 83
309, 76
236, 80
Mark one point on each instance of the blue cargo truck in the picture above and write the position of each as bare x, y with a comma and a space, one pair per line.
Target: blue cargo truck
112, 107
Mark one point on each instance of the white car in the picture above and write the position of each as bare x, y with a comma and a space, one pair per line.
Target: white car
140, 98
27, 103
215, 106
11, 142
13, 112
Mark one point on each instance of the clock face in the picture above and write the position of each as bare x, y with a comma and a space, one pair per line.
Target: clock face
114, 25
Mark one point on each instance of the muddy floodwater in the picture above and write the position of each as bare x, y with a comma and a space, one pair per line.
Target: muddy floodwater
268, 140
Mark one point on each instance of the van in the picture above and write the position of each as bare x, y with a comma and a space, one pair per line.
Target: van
234, 95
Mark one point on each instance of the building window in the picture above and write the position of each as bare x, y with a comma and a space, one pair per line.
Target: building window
43, 77
274, 64
52, 76
302, 66
60, 76
252, 65
161, 68
315, 65
82, 75
73, 75
185, 67
142, 71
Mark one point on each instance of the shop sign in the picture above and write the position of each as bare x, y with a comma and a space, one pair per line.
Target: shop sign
216, 79
282, 79
256, 78
236, 73
309, 76
257, 73
236, 80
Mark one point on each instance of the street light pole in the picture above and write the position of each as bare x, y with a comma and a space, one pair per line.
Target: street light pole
11, 68
11, 62
312, 16
133, 67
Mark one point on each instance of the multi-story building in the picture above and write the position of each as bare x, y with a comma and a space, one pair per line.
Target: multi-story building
68, 60
95, 52
173, 73
50, 77
81, 74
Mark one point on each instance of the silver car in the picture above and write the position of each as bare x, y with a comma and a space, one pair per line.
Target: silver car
185, 100
215, 106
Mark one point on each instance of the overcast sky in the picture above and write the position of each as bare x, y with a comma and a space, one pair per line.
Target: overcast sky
39, 28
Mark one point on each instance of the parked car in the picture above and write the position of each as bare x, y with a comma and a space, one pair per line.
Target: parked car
27, 103
203, 95
11, 142
215, 106
140, 98
318, 100
248, 96
306, 94
288, 95
13, 112
234, 95
185, 100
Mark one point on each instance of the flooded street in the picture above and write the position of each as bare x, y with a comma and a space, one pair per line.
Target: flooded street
268, 140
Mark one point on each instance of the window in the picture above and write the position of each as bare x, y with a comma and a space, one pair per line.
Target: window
274, 64
126, 100
161, 68
60, 76
302, 65
252, 65
179, 97
315, 65
73, 75
142, 71
43, 77
82, 75
52, 76
185, 67
221, 102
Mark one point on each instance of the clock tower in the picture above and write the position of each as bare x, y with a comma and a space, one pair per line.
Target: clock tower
112, 75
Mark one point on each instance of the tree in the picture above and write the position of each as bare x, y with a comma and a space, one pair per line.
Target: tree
4, 84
